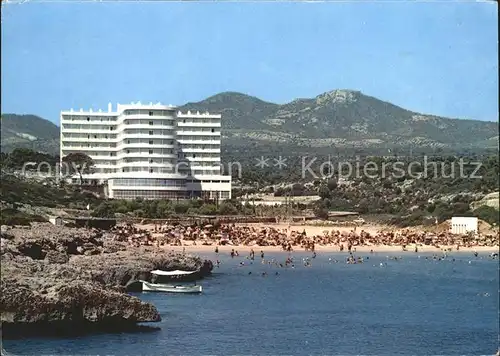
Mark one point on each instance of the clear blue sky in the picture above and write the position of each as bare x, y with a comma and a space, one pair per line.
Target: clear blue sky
435, 58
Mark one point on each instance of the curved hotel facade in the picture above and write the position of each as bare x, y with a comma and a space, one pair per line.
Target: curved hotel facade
151, 151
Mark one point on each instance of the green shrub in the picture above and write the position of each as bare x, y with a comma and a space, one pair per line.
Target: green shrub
104, 210
226, 208
16, 217
208, 209
488, 214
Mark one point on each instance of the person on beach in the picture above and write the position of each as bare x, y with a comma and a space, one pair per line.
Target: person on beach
262, 254
216, 249
232, 253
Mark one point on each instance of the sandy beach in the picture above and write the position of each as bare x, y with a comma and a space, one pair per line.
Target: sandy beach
245, 250
278, 238
189, 247
310, 229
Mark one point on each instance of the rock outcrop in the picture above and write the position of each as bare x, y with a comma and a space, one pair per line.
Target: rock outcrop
53, 276
492, 200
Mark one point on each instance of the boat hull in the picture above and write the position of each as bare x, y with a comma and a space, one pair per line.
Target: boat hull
170, 288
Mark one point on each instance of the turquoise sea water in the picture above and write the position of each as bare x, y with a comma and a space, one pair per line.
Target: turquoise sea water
414, 306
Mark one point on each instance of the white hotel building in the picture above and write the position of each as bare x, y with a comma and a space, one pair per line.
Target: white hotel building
152, 151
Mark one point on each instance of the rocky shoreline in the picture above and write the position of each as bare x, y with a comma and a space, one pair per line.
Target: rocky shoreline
67, 279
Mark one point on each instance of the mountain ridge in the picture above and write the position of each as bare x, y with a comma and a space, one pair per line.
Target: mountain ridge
344, 117
337, 118
29, 131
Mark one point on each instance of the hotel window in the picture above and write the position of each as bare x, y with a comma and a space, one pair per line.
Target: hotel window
150, 161
151, 123
150, 152
150, 142
151, 132
88, 118
150, 113
151, 170
213, 130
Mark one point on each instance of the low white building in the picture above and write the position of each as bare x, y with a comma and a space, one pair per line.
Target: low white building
56, 220
464, 225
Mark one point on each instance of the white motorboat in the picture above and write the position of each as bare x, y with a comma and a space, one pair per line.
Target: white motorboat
170, 288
